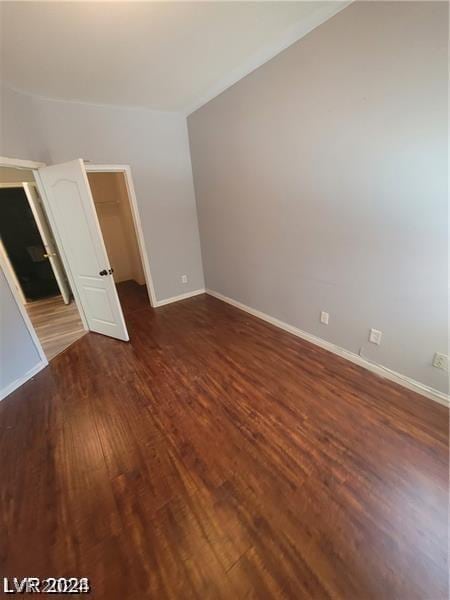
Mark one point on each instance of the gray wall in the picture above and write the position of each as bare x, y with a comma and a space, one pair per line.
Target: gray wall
321, 184
18, 354
156, 146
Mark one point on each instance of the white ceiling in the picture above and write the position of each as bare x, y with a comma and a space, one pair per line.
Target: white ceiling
160, 55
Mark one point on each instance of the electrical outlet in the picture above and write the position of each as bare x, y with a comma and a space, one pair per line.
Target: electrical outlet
375, 336
184, 279
440, 361
324, 317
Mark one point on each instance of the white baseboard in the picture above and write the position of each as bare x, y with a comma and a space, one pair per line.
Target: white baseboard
406, 382
21, 380
180, 297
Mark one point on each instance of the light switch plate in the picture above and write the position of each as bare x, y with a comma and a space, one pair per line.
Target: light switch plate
324, 317
440, 361
375, 336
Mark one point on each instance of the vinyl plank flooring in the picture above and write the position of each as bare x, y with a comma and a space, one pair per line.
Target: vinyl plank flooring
215, 456
57, 325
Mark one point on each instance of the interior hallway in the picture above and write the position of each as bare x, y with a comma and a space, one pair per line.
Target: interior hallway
57, 325
216, 456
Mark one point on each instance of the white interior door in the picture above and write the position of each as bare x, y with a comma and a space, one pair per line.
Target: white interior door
70, 208
51, 251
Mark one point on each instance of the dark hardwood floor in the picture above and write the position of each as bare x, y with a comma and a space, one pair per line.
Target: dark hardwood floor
215, 456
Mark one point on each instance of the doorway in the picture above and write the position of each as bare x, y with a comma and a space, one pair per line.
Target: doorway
114, 213
68, 198
114, 209
78, 244
29, 252
113, 194
23, 244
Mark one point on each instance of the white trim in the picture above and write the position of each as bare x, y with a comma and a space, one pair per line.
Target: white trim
17, 184
402, 380
7, 270
21, 380
17, 163
292, 35
126, 170
180, 297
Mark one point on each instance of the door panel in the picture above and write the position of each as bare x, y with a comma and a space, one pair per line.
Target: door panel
47, 239
72, 214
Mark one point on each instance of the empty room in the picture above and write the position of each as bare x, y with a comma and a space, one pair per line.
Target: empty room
224, 279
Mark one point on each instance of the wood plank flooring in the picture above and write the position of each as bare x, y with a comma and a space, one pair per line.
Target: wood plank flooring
57, 325
215, 456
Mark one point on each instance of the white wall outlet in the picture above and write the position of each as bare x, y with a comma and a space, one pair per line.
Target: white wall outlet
324, 317
440, 361
375, 336
184, 279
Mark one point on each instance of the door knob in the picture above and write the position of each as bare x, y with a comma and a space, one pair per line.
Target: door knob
49, 254
103, 273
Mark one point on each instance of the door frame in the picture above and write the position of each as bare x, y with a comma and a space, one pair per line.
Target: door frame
126, 170
10, 275
34, 166
28, 165
18, 163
